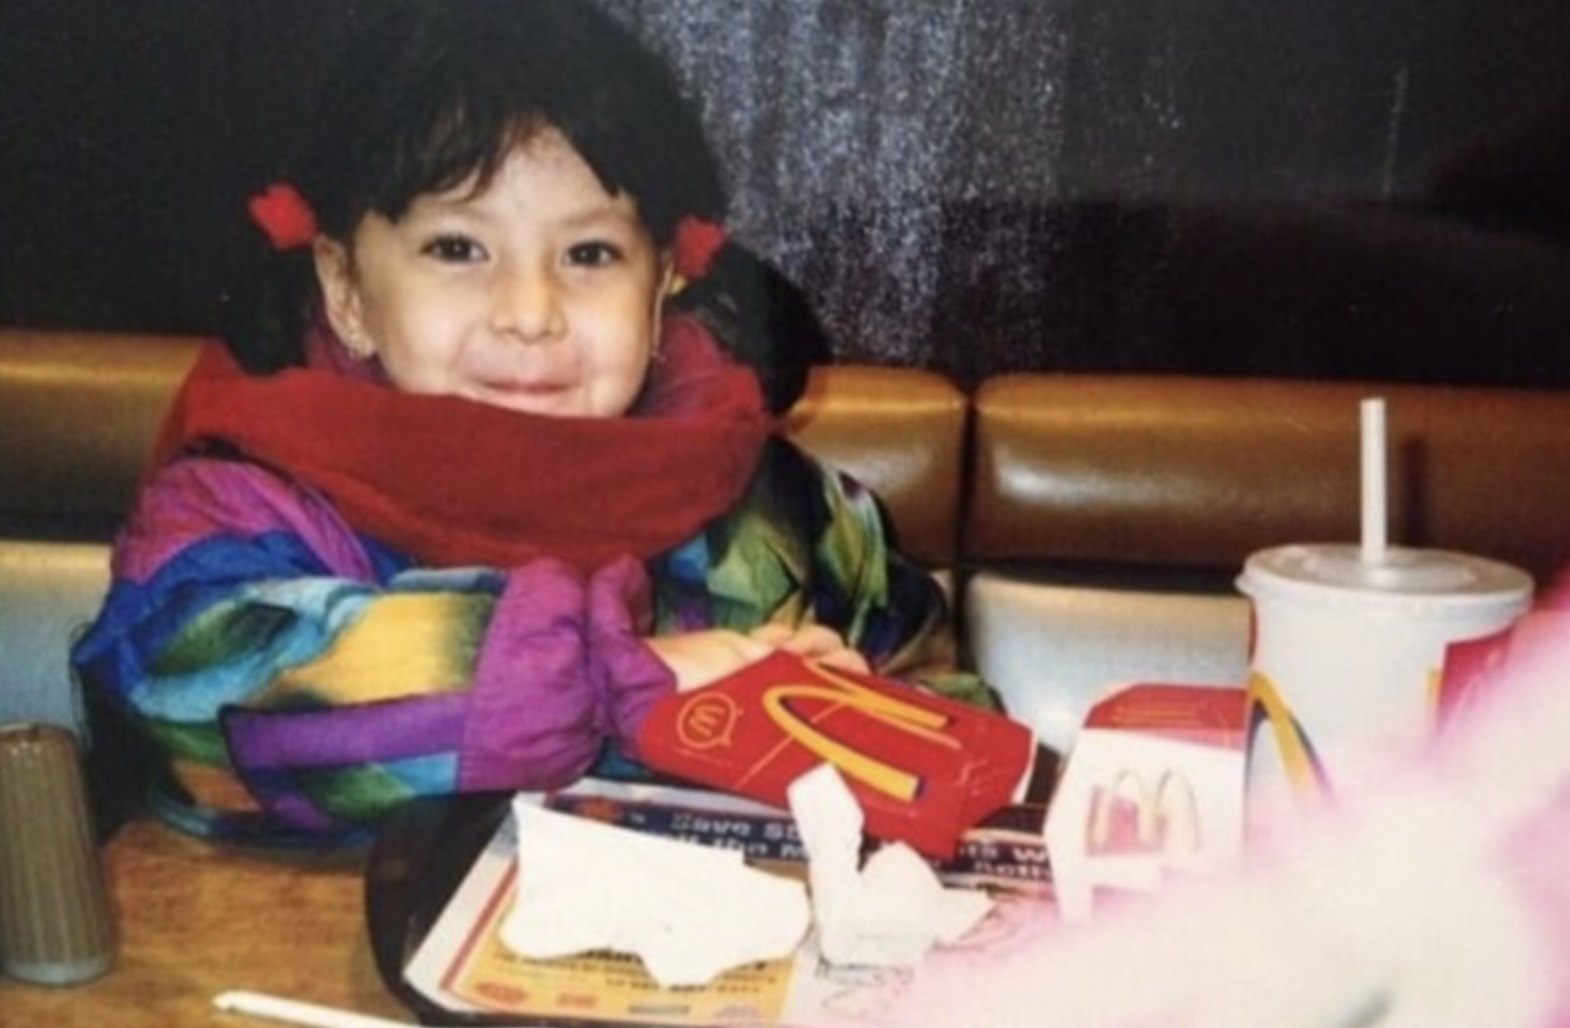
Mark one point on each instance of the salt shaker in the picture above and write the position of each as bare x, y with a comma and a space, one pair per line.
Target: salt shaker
54, 906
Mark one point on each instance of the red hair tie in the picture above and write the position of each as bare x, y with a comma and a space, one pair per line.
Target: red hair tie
284, 215
697, 242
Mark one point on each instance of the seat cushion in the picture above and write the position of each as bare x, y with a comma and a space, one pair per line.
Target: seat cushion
1051, 648
48, 594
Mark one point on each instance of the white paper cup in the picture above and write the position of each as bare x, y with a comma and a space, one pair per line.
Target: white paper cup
1346, 655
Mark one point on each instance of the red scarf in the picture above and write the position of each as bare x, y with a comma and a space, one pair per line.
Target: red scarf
453, 482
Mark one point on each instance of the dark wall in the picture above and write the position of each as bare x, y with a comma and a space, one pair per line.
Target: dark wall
1301, 187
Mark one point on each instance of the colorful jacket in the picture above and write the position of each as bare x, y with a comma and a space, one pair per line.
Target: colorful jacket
295, 679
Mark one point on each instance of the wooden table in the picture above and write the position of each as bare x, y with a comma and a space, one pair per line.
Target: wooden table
196, 919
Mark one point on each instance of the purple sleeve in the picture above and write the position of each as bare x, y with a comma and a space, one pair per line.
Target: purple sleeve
536, 718
631, 678
563, 665
198, 499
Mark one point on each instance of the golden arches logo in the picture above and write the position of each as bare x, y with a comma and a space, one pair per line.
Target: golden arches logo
842, 693
1303, 768
1164, 819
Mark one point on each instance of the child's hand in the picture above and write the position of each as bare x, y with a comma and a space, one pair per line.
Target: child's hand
702, 658
814, 642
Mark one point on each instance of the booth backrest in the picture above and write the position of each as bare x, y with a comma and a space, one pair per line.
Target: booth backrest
1193, 473
902, 432
78, 412
1090, 527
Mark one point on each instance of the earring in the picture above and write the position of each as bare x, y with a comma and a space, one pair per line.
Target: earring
357, 348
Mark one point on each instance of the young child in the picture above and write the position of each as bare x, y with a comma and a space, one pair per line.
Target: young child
484, 472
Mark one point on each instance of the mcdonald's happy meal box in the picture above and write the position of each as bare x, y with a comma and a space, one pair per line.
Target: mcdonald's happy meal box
1155, 781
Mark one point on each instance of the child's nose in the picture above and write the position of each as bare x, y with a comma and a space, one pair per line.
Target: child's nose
528, 306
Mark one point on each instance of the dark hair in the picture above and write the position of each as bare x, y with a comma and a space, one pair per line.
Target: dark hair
428, 93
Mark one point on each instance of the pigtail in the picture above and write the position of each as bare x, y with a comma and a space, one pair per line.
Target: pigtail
763, 318
275, 293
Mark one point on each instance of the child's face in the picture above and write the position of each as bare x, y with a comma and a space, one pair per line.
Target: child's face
541, 293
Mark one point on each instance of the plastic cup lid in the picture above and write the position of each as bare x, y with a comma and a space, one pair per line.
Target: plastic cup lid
1331, 571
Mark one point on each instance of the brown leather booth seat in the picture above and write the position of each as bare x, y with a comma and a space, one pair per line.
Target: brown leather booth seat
78, 412
1199, 473
902, 432
1089, 527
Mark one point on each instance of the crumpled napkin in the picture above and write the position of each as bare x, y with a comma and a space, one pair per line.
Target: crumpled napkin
888, 913
690, 912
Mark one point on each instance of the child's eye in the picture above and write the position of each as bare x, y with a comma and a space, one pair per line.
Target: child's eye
453, 249
592, 255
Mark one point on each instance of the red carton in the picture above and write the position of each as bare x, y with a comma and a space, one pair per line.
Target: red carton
923, 767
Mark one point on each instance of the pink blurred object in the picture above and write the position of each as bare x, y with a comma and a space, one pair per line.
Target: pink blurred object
1437, 897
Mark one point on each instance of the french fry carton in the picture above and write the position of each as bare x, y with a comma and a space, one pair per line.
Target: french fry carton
924, 768
1155, 781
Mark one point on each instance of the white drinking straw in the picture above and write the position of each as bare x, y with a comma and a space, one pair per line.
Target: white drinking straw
1374, 517
293, 1011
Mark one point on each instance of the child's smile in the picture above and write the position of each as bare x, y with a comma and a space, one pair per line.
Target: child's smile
539, 293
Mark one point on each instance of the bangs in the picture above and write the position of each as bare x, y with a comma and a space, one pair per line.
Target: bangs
457, 148
488, 98
439, 95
